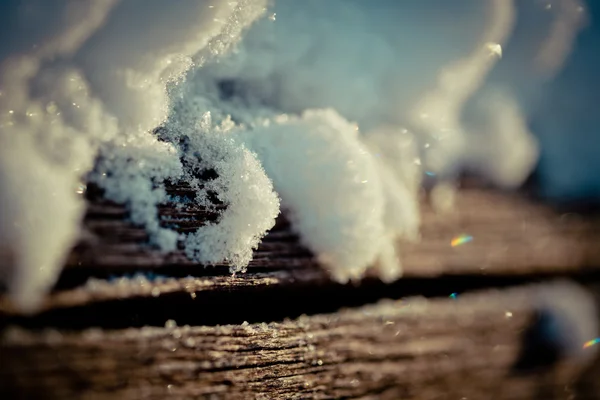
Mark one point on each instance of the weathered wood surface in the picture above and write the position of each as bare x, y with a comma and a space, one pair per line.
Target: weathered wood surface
415, 348
512, 236
398, 349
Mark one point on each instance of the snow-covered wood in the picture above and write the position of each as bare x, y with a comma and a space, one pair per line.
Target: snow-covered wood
512, 236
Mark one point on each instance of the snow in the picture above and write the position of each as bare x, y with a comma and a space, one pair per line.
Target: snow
88, 79
333, 110
332, 186
323, 103
242, 184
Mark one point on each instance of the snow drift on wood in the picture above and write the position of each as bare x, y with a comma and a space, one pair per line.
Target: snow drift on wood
338, 106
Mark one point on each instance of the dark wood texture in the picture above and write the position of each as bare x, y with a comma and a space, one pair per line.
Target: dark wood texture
409, 349
512, 237
101, 333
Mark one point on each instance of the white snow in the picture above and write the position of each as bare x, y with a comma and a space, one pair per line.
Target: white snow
306, 85
331, 183
242, 184
336, 107
80, 79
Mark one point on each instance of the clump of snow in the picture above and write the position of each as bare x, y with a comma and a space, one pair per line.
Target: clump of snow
313, 157
398, 160
80, 79
132, 172
47, 141
34, 241
241, 184
205, 136
355, 60
331, 183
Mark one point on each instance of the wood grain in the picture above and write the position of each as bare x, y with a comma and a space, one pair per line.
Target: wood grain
408, 349
512, 236
101, 334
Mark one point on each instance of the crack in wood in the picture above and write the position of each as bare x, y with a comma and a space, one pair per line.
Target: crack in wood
437, 348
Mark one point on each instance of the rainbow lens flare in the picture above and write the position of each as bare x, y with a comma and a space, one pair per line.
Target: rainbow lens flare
462, 239
591, 343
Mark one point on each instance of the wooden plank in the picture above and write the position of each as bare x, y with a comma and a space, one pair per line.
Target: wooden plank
512, 236
412, 348
463, 348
